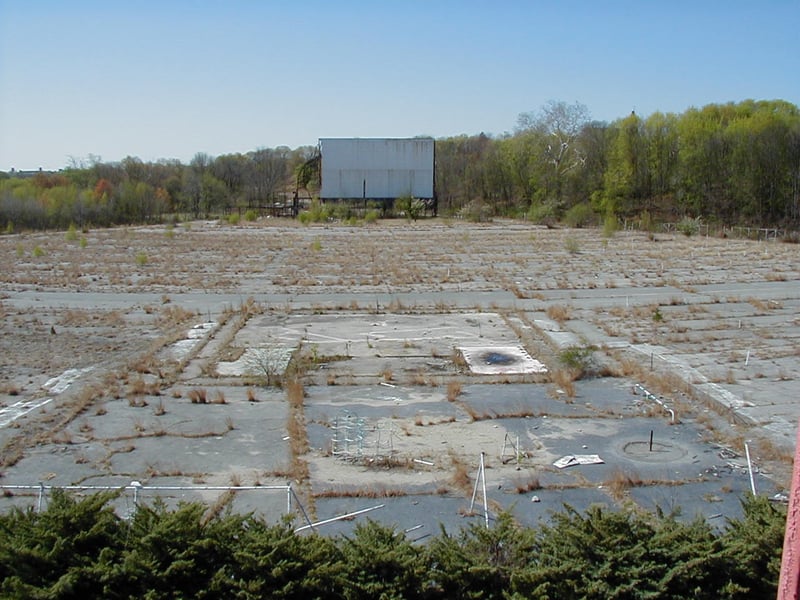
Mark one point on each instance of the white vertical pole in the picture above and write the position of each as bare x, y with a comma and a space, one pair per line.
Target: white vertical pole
41, 498
485, 503
750, 469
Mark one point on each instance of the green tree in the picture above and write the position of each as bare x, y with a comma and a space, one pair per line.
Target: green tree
171, 554
560, 124
273, 562
380, 563
63, 552
479, 562
609, 554
752, 548
627, 177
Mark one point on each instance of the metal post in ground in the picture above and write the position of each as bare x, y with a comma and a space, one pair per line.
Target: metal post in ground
41, 498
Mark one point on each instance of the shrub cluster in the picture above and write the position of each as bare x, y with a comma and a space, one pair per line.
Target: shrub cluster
82, 549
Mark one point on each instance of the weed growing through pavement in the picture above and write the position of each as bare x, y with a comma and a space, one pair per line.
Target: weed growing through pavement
454, 390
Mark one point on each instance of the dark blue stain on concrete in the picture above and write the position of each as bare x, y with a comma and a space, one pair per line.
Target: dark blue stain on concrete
498, 358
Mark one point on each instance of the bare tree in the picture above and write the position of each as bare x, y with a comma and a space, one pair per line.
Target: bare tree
267, 363
268, 172
560, 125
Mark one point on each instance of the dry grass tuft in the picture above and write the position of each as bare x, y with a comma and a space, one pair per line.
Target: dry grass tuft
417, 377
10, 389
460, 477
559, 312
454, 390
370, 492
137, 387
620, 482
532, 484
564, 380
198, 396
768, 450
296, 429
458, 359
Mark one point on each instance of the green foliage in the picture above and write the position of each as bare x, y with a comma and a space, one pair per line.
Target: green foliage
371, 216
576, 358
38, 251
410, 207
83, 242
81, 549
579, 215
317, 213
141, 259
608, 554
734, 163
646, 221
752, 546
381, 563
234, 218
572, 245
273, 562
9, 228
689, 226
250, 216
64, 552
480, 562
610, 226
72, 233
542, 214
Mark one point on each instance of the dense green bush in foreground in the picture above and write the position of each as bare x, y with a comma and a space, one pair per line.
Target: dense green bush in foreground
81, 549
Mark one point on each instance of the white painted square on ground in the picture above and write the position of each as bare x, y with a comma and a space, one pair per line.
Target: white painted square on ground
501, 360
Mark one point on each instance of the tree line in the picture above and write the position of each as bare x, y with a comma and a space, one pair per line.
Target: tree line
733, 164
730, 164
132, 191
82, 549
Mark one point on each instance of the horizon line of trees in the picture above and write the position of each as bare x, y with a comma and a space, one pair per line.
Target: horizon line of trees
83, 549
731, 164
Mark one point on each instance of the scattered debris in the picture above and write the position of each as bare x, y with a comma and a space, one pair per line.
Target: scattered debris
570, 460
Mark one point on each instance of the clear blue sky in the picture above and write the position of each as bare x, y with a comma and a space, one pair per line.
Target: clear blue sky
170, 79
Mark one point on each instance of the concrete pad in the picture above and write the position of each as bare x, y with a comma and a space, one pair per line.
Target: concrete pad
500, 360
